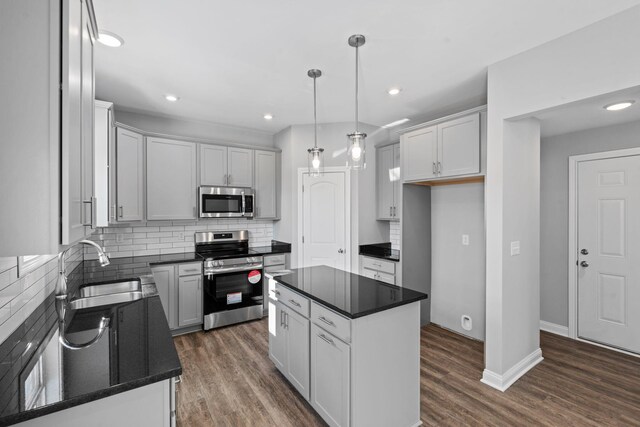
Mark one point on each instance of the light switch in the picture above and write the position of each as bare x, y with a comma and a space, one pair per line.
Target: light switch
465, 239
515, 248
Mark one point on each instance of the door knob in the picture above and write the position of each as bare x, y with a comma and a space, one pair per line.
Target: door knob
584, 251
584, 264
340, 251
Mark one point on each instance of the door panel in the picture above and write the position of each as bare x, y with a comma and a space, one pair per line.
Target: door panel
266, 184
459, 146
240, 166
324, 220
385, 174
129, 176
189, 300
298, 352
277, 335
609, 229
213, 165
419, 153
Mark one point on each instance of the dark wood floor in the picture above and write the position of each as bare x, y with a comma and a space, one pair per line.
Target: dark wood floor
228, 380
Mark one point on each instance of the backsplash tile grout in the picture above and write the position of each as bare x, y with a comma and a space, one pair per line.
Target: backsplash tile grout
394, 234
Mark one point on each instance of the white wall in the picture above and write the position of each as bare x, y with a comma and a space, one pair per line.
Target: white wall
294, 142
554, 207
458, 271
194, 128
589, 62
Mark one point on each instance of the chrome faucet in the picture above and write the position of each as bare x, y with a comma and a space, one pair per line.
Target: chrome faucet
61, 284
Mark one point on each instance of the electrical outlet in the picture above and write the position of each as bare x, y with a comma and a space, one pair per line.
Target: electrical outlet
515, 248
465, 239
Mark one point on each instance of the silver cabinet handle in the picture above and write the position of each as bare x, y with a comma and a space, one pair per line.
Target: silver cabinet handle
327, 321
277, 292
121, 211
225, 180
433, 168
286, 320
229, 179
281, 318
91, 215
439, 168
390, 211
191, 270
294, 302
326, 339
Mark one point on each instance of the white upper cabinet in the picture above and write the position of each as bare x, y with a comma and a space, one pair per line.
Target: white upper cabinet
420, 154
129, 173
266, 184
103, 140
240, 167
171, 179
388, 182
447, 149
213, 165
459, 146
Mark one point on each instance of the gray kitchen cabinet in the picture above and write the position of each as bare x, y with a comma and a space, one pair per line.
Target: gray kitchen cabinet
129, 197
239, 167
171, 179
165, 277
103, 141
447, 149
378, 269
272, 263
330, 377
266, 178
213, 165
49, 88
278, 335
189, 300
388, 182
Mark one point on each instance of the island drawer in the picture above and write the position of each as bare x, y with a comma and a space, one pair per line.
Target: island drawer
379, 265
331, 322
190, 269
274, 260
291, 299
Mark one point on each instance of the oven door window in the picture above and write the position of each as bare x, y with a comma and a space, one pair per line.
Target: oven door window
221, 204
232, 290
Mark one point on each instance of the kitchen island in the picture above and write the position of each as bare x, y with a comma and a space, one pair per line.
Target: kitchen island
349, 344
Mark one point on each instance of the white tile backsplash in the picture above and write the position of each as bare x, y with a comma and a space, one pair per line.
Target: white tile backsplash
170, 237
394, 234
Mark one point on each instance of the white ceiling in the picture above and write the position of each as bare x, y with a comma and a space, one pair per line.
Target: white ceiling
589, 114
232, 61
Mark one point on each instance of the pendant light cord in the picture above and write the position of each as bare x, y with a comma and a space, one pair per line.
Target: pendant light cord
315, 119
356, 88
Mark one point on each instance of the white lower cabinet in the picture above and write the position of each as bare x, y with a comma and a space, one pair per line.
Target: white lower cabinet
179, 287
330, 377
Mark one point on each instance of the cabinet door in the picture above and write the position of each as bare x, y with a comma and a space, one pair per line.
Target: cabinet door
397, 182
330, 377
129, 176
102, 141
277, 335
385, 173
189, 301
459, 146
240, 167
88, 111
297, 365
419, 154
72, 129
171, 179
266, 184
213, 165
164, 276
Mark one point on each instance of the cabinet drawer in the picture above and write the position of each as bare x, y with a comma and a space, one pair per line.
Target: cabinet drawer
274, 260
291, 299
385, 277
332, 322
379, 265
190, 269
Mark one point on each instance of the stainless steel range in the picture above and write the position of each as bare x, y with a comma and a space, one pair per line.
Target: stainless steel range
232, 278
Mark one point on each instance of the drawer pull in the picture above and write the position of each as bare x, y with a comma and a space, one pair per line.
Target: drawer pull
294, 302
326, 339
277, 292
327, 321
191, 270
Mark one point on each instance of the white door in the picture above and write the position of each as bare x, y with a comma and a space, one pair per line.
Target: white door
609, 246
324, 220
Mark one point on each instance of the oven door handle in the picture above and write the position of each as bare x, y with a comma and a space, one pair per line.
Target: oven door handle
222, 270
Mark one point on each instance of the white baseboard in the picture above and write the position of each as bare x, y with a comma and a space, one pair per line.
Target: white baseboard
503, 382
554, 328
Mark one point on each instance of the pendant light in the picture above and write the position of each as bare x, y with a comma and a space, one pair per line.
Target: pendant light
316, 161
356, 140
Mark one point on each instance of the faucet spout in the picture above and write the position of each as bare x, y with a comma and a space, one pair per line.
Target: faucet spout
61, 284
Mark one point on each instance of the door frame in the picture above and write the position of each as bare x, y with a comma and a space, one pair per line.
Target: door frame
574, 161
347, 205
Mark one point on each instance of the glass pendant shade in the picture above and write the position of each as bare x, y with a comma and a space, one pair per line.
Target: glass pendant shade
356, 150
316, 161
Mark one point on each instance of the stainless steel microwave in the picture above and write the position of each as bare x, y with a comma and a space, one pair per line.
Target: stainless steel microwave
226, 202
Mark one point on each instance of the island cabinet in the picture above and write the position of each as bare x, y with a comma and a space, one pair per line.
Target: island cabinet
361, 365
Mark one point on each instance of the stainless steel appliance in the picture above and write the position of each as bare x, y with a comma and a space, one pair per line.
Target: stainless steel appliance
233, 281
225, 202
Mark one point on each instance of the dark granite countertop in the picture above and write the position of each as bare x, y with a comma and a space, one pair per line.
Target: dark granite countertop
135, 350
380, 250
275, 248
349, 294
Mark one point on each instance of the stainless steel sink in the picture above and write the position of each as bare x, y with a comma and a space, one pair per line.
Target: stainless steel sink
108, 288
99, 300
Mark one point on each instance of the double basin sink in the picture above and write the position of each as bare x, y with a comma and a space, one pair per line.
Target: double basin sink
107, 293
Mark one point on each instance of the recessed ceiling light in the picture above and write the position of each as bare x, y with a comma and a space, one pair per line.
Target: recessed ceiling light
110, 39
268, 116
396, 123
619, 106
394, 91
171, 98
